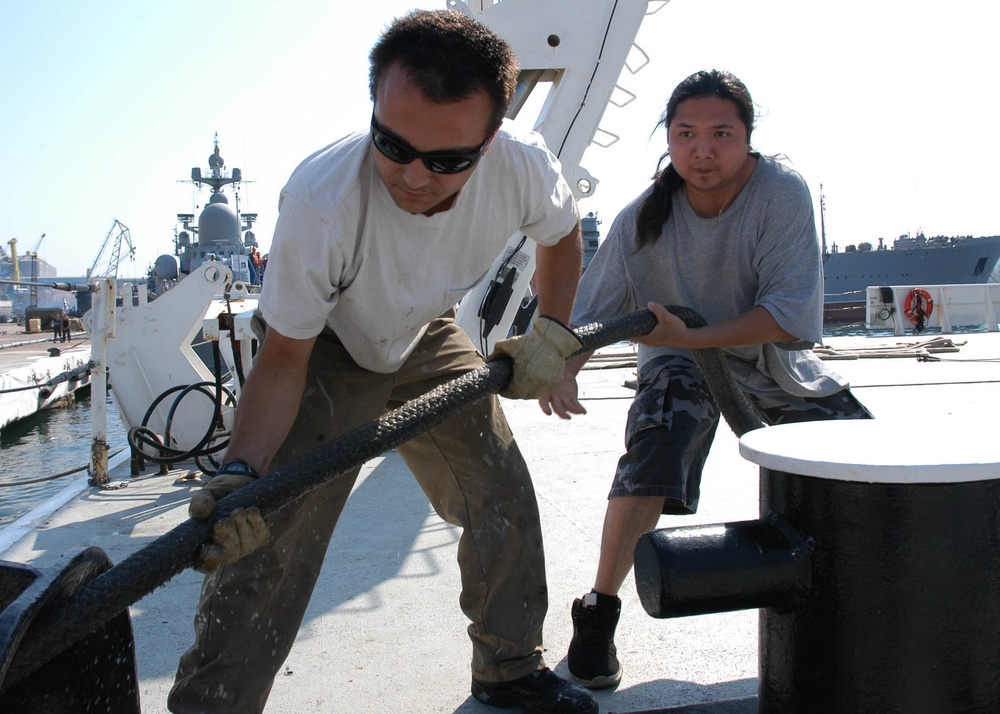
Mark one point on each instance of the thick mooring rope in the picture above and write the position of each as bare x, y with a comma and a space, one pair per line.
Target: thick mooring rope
98, 601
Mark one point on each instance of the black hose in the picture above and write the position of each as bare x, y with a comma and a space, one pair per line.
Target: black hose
45, 388
142, 435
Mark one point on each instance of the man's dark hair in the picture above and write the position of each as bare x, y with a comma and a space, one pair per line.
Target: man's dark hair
655, 209
449, 57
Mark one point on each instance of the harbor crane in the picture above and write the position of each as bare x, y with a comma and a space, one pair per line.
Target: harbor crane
122, 236
15, 264
38, 244
16, 275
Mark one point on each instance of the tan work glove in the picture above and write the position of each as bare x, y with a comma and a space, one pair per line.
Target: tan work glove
539, 357
202, 504
239, 534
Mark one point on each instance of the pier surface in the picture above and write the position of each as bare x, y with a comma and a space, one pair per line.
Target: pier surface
20, 349
384, 632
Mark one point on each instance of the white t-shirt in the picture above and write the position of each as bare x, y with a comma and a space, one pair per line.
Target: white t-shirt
346, 256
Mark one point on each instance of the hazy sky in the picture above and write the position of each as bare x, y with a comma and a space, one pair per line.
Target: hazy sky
106, 106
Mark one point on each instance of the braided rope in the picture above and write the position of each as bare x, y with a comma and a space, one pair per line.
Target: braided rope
111, 592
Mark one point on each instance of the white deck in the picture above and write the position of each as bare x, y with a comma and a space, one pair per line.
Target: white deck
384, 632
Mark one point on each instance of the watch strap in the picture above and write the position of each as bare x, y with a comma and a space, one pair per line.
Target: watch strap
238, 466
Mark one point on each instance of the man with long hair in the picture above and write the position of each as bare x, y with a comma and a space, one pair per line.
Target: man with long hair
730, 234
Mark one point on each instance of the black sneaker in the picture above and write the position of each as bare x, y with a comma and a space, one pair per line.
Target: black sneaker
541, 692
593, 657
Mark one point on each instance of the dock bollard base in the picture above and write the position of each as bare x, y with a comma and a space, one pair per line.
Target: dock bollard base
744, 705
97, 673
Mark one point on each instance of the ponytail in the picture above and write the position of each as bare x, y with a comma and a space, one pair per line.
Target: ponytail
656, 207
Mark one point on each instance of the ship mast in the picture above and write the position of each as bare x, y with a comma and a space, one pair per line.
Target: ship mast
822, 217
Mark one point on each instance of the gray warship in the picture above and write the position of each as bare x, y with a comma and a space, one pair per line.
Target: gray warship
912, 260
222, 233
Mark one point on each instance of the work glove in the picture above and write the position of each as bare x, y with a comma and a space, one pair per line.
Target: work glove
231, 476
238, 534
539, 357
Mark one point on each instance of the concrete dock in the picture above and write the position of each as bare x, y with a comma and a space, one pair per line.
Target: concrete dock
384, 632
19, 348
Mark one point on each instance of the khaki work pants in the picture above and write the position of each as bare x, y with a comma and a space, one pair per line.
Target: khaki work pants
475, 478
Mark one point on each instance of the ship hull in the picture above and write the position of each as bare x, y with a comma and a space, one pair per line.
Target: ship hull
847, 275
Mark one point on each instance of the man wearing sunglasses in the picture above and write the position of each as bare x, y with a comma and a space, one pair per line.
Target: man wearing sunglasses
379, 236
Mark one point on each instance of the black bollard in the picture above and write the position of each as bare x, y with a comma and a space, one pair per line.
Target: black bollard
900, 611
732, 566
96, 674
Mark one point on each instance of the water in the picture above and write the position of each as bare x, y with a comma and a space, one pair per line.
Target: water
858, 329
47, 443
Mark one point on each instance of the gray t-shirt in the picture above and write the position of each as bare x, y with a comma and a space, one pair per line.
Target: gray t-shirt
762, 250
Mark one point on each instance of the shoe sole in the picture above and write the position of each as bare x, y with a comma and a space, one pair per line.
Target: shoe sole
501, 700
505, 700
600, 682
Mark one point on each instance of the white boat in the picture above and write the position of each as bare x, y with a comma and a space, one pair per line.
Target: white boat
37, 373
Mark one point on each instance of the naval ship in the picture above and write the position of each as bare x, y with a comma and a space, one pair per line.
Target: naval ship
222, 234
911, 261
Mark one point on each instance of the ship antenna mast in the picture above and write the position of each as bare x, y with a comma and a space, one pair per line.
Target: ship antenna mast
822, 217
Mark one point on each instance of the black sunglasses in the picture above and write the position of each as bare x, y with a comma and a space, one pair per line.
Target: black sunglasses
438, 162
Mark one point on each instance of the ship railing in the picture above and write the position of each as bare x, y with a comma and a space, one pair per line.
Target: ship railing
859, 293
902, 307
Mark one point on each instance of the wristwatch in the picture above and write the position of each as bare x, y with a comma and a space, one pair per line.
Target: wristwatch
238, 466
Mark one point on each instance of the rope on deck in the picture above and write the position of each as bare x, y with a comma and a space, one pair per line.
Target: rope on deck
111, 592
917, 350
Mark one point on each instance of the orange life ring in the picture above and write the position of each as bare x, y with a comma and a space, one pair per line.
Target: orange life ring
918, 306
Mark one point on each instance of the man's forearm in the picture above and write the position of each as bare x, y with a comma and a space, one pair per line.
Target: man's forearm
557, 273
270, 400
262, 420
754, 327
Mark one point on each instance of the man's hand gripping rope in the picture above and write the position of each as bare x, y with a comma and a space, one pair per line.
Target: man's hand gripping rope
240, 533
539, 357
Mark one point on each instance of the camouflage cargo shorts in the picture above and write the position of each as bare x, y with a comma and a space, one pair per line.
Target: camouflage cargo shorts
672, 422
